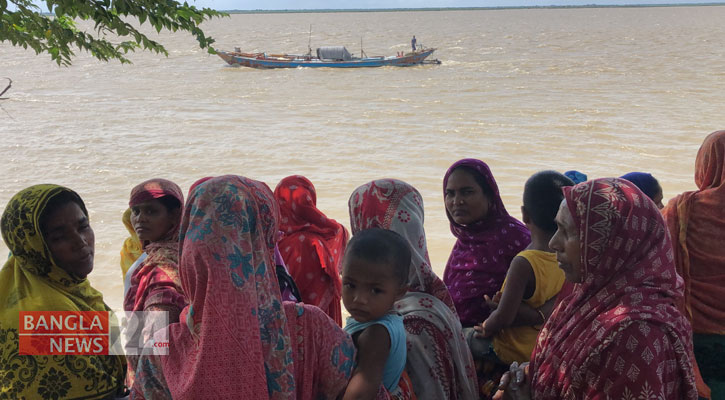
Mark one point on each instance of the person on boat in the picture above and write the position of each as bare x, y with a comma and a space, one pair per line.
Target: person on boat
439, 363
648, 184
619, 333
488, 238
152, 283
696, 222
236, 338
413, 43
47, 230
312, 246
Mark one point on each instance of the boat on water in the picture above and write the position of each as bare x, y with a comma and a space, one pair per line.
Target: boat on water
329, 57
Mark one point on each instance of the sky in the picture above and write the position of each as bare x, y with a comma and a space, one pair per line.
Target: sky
355, 4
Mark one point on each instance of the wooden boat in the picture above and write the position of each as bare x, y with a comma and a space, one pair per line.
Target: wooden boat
330, 57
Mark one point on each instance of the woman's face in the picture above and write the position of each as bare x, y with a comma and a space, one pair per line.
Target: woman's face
464, 198
70, 239
567, 245
152, 221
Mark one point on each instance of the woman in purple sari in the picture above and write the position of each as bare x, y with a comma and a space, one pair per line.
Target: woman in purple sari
488, 238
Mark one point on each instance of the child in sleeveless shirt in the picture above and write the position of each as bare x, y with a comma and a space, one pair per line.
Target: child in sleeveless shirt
374, 276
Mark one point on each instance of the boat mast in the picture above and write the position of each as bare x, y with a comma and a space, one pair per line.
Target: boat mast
309, 43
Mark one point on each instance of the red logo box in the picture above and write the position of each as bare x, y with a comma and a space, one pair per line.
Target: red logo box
64, 333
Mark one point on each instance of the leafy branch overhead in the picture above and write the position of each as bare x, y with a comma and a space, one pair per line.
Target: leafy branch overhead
23, 24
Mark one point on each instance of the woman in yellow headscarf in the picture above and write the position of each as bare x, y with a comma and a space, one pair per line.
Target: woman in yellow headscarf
132, 249
46, 228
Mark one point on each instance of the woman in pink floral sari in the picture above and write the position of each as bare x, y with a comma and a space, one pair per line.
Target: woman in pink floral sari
237, 339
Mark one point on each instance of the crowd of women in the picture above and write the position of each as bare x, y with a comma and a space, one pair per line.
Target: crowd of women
249, 281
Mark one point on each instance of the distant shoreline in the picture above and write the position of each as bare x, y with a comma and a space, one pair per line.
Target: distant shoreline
343, 10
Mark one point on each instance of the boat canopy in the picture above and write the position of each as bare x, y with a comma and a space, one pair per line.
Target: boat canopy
339, 53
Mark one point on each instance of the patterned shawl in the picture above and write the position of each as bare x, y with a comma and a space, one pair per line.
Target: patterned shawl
696, 221
324, 354
312, 246
233, 339
132, 248
156, 281
618, 335
30, 281
483, 252
439, 363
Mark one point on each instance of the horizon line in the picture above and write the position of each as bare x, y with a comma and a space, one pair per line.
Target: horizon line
397, 9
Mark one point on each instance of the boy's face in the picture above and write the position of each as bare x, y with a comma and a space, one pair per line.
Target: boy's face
369, 290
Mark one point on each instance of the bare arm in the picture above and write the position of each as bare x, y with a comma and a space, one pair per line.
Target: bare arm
529, 316
373, 348
520, 276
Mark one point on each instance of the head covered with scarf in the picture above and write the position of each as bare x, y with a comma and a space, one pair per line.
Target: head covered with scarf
155, 282
312, 245
31, 280
234, 325
132, 248
484, 249
576, 176
618, 333
696, 222
235, 338
439, 363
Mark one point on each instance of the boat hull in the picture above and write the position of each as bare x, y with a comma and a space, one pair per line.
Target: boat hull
260, 61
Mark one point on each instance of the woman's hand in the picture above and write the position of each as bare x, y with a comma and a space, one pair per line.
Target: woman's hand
515, 384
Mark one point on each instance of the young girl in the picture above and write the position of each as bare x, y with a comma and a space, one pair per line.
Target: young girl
153, 283
374, 276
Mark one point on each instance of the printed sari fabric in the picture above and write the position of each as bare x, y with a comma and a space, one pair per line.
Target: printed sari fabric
312, 246
31, 281
619, 334
155, 283
696, 222
483, 252
234, 331
234, 339
324, 354
439, 363
132, 249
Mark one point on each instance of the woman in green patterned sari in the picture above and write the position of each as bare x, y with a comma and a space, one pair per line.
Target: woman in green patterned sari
52, 244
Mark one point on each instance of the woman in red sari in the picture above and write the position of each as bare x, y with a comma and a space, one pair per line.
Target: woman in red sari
619, 333
152, 283
312, 245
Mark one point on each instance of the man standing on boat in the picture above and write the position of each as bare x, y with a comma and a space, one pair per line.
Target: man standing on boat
413, 42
